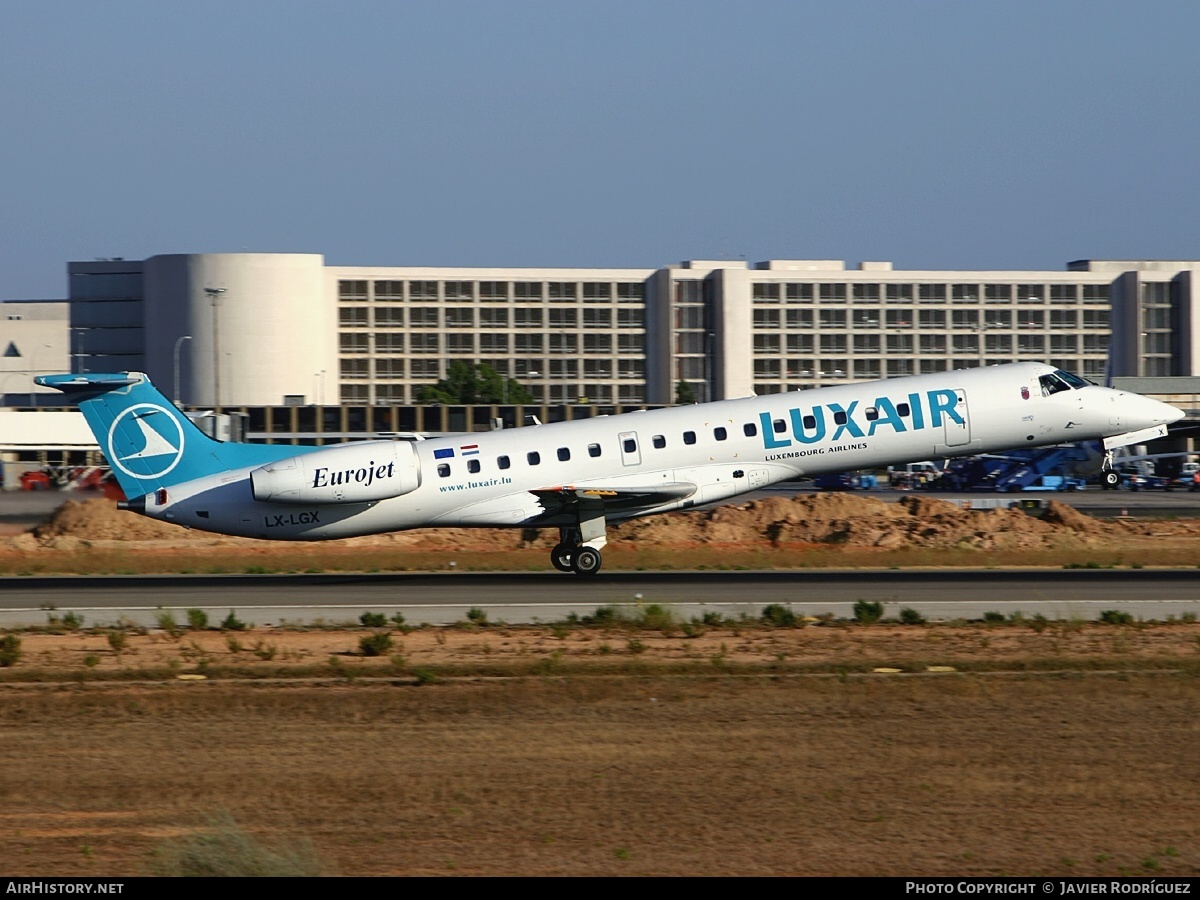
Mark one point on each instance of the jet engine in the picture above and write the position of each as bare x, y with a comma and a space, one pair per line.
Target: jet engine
349, 473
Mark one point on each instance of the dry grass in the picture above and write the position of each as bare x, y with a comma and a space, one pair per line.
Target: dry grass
136, 560
613, 761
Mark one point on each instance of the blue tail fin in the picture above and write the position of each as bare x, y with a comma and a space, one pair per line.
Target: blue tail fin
148, 442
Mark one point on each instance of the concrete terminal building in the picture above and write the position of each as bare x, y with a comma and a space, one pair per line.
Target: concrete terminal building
255, 329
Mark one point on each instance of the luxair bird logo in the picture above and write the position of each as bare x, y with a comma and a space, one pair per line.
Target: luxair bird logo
145, 441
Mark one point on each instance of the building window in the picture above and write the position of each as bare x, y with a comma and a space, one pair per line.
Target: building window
1063, 293
389, 317
460, 343
527, 290
630, 290
389, 290
593, 318
353, 317
422, 290
597, 343
460, 317
1030, 293
899, 293
352, 290
931, 293
490, 342
563, 290
423, 317
868, 292
389, 342
389, 368
766, 343
766, 292
564, 343
997, 293
527, 318
494, 318
630, 318
354, 368
352, 343
563, 318
493, 290
833, 318
423, 343
965, 293
528, 343
799, 293
597, 291
833, 293
766, 318
1095, 293
460, 290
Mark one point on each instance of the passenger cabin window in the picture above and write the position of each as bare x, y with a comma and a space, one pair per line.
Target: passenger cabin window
720, 433
902, 409
810, 423
563, 454
593, 449
658, 441
444, 470
750, 429
472, 465
871, 413
630, 445
779, 425
503, 462
534, 457
689, 437
839, 418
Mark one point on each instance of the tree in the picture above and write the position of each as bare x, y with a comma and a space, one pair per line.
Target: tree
469, 383
684, 393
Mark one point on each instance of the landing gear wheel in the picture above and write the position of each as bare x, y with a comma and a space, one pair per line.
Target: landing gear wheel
586, 561
561, 557
1110, 480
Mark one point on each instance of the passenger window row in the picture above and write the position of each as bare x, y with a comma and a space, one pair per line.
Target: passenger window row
629, 445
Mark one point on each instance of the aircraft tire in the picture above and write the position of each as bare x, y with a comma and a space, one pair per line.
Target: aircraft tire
1110, 480
562, 556
586, 561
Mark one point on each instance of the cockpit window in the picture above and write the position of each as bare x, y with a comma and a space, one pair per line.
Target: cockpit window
1073, 380
1052, 385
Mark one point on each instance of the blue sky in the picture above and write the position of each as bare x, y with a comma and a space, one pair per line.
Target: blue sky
934, 133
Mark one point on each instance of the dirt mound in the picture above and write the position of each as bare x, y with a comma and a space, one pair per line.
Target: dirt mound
825, 519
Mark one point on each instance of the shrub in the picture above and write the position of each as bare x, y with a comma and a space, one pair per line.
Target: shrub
656, 618
71, 620
476, 616
1039, 623
867, 612
117, 640
378, 643
425, 676
373, 620
1116, 617
226, 850
166, 621
197, 619
779, 615
604, 615
992, 617
633, 645
909, 616
712, 618
232, 623
397, 619
10, 650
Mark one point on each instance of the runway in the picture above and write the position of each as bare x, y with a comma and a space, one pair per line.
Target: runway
518, 598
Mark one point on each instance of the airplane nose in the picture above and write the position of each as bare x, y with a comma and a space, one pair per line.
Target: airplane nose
1159, 413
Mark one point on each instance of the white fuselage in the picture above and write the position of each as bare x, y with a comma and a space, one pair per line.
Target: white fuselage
722, 449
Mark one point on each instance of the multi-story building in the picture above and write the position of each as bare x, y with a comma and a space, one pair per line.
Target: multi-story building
285, 329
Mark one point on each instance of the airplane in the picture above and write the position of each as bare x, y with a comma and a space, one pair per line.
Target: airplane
581, 475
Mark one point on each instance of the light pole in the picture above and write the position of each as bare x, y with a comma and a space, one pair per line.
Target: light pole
178, 342
214, 294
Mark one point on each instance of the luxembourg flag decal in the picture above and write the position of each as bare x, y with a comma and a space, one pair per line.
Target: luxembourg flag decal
469, 449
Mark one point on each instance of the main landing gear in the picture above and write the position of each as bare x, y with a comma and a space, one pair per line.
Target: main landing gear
571, 555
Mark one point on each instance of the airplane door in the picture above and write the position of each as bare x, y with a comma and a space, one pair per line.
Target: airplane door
631, 455
958, 434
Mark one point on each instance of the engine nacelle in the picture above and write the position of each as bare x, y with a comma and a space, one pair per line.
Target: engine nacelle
351, 473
